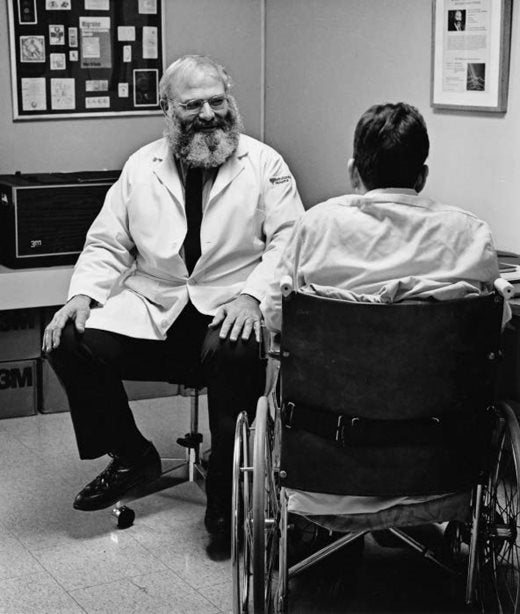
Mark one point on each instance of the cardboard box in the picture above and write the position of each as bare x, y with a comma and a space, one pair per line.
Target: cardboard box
18, 388
53, 397
20, 334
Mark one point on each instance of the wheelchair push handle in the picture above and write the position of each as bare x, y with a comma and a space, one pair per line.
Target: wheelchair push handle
504, 288
286, 285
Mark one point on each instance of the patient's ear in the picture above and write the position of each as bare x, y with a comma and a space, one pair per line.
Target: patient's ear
353, 173
421, 179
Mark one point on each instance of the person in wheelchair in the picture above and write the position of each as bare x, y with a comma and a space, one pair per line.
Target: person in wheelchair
386, 243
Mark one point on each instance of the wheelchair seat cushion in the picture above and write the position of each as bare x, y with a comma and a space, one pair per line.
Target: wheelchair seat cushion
348, 513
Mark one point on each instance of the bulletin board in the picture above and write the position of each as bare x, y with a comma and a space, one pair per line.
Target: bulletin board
85, 58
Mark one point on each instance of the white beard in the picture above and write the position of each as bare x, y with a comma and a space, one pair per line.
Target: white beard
205, 149
209, 150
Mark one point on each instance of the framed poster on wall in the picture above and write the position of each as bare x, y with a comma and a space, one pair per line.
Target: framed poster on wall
85, 58
470, 54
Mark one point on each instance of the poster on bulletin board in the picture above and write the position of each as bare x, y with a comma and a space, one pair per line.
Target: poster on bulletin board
85, 58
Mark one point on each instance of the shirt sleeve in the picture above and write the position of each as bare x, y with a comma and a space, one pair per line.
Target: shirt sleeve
282, 206
107, 253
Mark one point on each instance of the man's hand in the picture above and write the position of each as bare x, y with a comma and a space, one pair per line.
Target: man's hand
77, 309
241, 316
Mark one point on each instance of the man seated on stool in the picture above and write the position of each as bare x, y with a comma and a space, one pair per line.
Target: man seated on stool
386, 243
170, 281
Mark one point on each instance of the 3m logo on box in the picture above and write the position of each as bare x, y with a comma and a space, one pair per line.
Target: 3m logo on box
18, 388
16, 378
20, 334
19, 319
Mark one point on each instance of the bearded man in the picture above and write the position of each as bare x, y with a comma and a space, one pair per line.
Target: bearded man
169, 284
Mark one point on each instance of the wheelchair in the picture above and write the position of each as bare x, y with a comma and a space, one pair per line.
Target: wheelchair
371, 400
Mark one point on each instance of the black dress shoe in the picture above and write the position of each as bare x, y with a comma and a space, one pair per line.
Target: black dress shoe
219, 547
119, 477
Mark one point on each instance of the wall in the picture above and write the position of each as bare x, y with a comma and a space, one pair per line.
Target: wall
327, 61
229, 30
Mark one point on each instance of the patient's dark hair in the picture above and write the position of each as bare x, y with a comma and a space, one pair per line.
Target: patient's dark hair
390, 146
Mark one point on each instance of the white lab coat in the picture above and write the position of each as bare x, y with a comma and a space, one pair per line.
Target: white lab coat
132, 263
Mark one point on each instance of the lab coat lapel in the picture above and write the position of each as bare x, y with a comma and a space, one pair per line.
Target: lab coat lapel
226, 174
168, 174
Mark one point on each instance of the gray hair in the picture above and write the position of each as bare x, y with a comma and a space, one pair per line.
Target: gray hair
186, 64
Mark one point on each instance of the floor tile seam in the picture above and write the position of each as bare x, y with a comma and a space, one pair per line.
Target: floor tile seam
122, 578
41, 552
66, 591
41, 458
30, 573
182, 580
16, 538
12, 535
229, 585
131, 579
60, 584
126, 576
82, 543
43, 571
14, 439
107, 583
165, 531
196, 586
76, 602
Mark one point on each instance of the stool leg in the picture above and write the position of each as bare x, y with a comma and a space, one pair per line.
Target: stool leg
193, 453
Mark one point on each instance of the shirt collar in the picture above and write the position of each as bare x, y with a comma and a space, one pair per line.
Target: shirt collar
407, 191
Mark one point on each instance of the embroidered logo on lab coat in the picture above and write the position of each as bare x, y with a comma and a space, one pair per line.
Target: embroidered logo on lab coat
277, 180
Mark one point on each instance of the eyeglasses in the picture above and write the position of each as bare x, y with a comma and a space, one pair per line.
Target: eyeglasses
217, 103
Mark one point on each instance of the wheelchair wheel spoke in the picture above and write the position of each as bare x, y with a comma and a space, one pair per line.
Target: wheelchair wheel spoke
241, 534
498, 573
265, 512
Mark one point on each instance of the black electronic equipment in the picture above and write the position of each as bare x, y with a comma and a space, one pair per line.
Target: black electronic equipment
44, 217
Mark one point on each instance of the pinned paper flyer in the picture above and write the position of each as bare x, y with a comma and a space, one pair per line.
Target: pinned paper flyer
33, 94
63, 94
95, 42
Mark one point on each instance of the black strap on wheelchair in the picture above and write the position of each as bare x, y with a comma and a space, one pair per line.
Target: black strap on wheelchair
348, 430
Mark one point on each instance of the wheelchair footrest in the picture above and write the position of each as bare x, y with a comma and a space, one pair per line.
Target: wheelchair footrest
190, 440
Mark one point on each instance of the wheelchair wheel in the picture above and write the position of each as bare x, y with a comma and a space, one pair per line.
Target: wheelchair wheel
241, 537
266, 513
498, 554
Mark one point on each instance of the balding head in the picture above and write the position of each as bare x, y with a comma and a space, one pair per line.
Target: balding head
190, 67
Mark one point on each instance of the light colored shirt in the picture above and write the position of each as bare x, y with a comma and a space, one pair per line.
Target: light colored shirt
385, 246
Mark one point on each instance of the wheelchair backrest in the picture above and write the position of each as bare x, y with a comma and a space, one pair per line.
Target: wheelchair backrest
400, 360
387, 399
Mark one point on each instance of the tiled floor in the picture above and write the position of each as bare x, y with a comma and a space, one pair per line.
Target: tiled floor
54, 559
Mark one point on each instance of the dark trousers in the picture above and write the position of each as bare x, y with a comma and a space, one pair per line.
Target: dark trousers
92, 365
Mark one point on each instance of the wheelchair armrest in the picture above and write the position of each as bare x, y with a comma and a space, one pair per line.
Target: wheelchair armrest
504, 288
